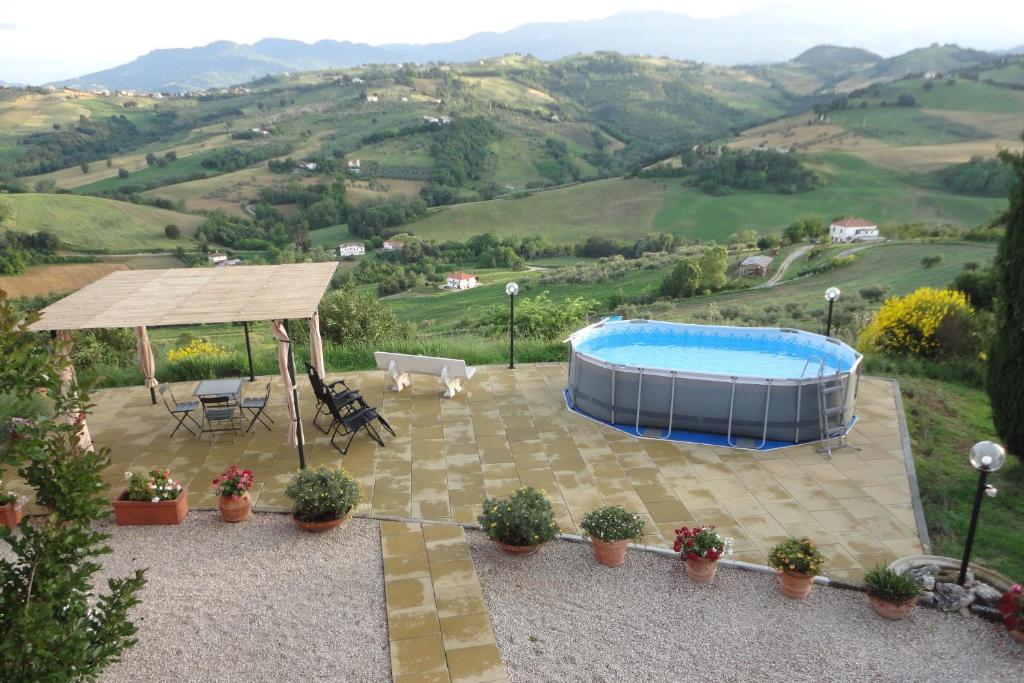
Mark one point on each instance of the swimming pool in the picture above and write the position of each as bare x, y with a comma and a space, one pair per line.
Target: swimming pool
765, 384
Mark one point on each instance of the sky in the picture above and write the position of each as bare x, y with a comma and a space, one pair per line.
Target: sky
43, 41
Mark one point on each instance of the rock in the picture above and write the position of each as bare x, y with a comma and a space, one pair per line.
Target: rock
986, 594
951, 596
927, 583
964, 612
926, 599
987, 613
925, 570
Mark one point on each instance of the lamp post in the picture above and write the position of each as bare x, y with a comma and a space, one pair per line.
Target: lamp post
512, 289
831, 294
985, 457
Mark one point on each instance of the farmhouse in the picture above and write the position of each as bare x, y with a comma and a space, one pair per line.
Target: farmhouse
460, 280
355, 166
755, 266
392, 245
372, 97
217, 258
853, 230
351, 249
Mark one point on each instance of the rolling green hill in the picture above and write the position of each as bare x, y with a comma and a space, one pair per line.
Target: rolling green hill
626, 209
94, 224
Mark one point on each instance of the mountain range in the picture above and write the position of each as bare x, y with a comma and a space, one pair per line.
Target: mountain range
748, 38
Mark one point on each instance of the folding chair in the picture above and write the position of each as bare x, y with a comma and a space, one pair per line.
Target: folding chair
361, 417
324, 395
181, 410
257, 405
220, 410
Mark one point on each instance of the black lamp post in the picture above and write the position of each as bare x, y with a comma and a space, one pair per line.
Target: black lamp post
985, 457
512, 289
831, 294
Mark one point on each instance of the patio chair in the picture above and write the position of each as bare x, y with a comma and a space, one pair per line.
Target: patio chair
181, 410
220, 410
257, 405
349, 423
326, 394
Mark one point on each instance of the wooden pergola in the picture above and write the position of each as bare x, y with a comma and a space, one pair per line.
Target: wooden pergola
140, 299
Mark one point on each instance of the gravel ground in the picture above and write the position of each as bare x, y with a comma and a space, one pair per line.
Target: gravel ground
255, 601
559, 616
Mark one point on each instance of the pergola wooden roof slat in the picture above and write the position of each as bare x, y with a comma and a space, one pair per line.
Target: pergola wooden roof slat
183, 296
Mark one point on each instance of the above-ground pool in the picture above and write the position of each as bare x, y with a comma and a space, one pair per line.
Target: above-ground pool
746, 383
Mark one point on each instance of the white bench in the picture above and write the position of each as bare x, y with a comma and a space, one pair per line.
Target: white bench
398, 366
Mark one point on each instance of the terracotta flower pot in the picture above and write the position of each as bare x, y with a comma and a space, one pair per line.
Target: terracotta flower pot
518, 549
320, 527
701, 570
1018, 635
892, 610
9, 515
148, 513
794, 584
610, 554
237, 510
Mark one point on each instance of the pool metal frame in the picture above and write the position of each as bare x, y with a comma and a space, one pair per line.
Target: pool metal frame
828, 421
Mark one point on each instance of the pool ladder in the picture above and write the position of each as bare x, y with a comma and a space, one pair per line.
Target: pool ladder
831, 406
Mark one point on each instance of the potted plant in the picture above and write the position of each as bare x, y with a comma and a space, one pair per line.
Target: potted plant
891, 593
798, 561
520, 523
322, 497
151, 499
1011, 605
10, 507
232, 486
700, 548
610, 529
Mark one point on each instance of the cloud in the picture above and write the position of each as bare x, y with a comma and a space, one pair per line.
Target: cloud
7, 26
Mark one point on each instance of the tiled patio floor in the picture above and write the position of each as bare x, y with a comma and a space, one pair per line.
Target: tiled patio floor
512, 429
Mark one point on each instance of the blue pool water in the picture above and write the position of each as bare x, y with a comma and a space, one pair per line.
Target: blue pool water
750, 352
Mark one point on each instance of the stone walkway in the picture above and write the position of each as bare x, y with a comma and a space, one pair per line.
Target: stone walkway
437, 621
512, 429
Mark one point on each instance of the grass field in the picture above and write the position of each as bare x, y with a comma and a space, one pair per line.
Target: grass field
96, 225
627, 209
330, 237
896, 265
56, 278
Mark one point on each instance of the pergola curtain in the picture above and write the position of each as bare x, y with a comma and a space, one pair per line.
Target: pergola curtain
67, 379
316, 345
277, 328
147, 366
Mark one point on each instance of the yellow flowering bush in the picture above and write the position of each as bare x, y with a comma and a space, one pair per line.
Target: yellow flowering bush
197, 348
799, 555
926, 323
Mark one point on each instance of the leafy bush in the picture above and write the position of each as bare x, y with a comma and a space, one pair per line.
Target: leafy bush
798, 555
172, 232
928, 323
612, 523
524, 518
196, 348
349, 317
891, 586
540, 317
154, 486
322, 494
701, 543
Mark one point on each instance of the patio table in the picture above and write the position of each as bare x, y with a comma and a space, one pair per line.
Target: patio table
219, 387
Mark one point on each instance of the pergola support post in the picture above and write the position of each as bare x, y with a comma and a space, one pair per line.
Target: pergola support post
248, 352
295, 396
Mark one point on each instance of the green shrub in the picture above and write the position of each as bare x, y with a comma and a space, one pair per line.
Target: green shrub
322, 494
798, 555
891, 586
612, 523
524, 518
540, 317
155, 486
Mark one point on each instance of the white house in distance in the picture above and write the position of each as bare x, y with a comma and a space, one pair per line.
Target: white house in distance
351, 249
853, 230
217, 258
460, 280
392, 245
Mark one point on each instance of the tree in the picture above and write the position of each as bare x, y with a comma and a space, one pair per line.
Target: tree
84, 166
123, 173
150, 159
930, 261
54, 623
714, 263
46, 186
349, 318
1006, 357
769, 242
172, 231
684, 279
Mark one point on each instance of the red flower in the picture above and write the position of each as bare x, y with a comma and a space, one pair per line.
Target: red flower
1011, 622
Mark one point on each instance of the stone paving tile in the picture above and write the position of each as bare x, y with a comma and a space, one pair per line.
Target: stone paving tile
437, 621
511, 429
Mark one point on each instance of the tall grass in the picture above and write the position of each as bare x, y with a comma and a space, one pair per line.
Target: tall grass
968, 372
